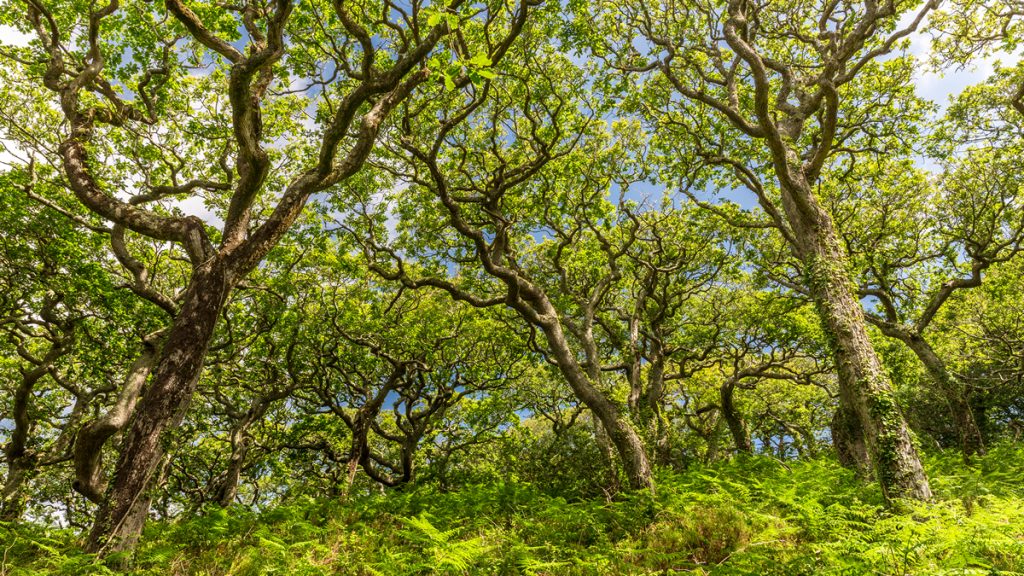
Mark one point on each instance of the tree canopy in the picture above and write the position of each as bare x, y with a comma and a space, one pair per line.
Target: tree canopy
258, 253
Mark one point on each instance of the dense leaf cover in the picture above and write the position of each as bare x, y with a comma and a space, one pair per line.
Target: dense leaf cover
511, 286
753, 515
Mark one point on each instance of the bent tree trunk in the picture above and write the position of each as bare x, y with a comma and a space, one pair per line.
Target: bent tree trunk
119, 519
655, 422
954, 392
737, 428
359, 449
611, 465
863, 384
225, 488
627, 442
87, 452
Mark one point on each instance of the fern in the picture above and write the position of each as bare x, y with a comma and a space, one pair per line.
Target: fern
442, 551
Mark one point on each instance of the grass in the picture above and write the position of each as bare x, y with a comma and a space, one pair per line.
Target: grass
748, 516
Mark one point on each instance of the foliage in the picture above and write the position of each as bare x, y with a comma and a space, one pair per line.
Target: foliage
753, 515
411, 286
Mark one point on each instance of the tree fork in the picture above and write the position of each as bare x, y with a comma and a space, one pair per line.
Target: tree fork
162, 406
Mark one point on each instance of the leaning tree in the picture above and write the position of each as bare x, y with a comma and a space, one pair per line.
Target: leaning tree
769, 98
246, 110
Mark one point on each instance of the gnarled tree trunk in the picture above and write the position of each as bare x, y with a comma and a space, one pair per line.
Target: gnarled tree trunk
864, 385
623, 435
225, 488
88, 449
737, 427
177, 372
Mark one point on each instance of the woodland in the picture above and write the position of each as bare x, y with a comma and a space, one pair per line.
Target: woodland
539, 287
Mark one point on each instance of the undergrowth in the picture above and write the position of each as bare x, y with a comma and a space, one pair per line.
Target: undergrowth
749, 516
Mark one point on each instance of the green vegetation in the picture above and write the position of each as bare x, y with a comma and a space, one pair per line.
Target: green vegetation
753, 515
511, 286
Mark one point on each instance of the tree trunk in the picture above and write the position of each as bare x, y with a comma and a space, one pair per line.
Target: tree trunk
12, 502
360, 425
135, 520
358, 452
848, 442
227, 487
654, 395
88, 449
713, 439
732, 417
611, 468
118, 522
624, 437
863, 383
955, 393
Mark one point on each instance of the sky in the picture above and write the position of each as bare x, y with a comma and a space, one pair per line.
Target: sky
935, 85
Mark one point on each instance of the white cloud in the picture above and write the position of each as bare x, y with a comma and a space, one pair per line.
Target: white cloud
195, 206
941, 84
10, 36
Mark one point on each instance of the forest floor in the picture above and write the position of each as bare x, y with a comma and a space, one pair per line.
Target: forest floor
749, 516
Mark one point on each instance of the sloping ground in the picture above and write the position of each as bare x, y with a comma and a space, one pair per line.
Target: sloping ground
755, 516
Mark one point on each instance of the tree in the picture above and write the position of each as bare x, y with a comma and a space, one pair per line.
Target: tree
767, 101
461, 171
391, 363
62, 317
120, 76
916, 243
980, 334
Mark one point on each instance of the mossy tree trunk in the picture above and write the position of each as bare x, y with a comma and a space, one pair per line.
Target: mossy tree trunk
119, 522
863, 383
732, 417
848, 441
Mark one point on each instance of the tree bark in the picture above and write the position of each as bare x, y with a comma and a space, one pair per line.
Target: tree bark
88, 449
135, 519
162, 407
848, 442
954, 392
732, 417
624, 437
864, 386
12, 504
611, 468
713, 439
359, 449
652, 412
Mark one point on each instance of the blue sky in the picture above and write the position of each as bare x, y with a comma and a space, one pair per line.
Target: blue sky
935, 85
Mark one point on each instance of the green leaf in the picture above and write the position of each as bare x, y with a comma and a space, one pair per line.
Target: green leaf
480, 60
